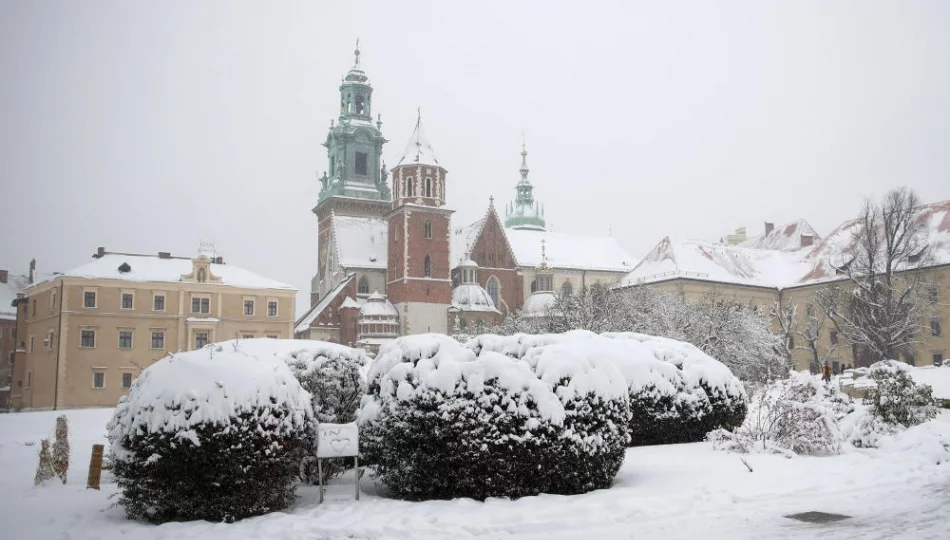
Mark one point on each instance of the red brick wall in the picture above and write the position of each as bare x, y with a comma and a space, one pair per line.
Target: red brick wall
493, 256
436, 247
348, 328
333, 317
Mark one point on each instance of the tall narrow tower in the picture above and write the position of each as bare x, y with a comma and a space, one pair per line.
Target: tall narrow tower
524, 212
419, 283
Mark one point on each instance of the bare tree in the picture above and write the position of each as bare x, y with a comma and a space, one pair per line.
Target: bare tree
786, 318
879, 302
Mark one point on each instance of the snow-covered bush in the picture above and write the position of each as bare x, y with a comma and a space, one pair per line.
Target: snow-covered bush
676, 392
333, 375
213, 434
443, 421
60, 453
798, 415
44, 469
896, 399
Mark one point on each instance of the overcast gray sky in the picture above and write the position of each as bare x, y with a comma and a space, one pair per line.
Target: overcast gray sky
149, 126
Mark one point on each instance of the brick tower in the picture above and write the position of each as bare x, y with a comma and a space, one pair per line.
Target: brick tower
419, 283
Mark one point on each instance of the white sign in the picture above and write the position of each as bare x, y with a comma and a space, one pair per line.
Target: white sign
338, 440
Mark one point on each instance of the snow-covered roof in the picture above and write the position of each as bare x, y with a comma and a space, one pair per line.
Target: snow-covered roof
418, 150
776, 267
378, 305
707, 261
304, 322
348, 302
361, 242
569, 251
149, 268
788, 237
472, 297
463, 240
8, 292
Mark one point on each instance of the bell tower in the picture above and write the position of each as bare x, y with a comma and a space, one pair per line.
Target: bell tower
525, 212
419, 283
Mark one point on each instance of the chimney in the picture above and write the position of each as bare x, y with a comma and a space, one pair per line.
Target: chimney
164, 255
32, 271
100, 251
219, 260
807, 240
4, 275
769, 227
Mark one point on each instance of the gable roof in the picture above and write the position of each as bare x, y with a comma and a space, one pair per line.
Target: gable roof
360, 242
569, 251
788, 237
463, 240
145, 268
304, 322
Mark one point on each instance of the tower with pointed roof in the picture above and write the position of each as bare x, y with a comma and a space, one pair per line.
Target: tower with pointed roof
524, 212
355, 143
418, 280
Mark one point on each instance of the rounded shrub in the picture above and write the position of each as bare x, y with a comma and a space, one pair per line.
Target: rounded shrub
441, 421
214, 434
676, 393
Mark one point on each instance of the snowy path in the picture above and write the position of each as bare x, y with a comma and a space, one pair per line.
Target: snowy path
681, 491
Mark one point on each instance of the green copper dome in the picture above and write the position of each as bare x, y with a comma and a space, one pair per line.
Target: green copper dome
524, 212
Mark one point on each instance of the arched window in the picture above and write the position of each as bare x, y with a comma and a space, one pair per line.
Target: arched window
428, 229
359, 104
428, 187
202, 277
428, 268
494, 289
534, 285
363, 287
567, 289
410, 192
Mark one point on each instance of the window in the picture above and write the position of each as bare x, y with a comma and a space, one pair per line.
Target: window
934, 327
33, 303
791, 342
360, 105
363, 286
126, 380
52, 300
409, 187
810, 310
248, 308
494, 289
428, 266
31, 343
29, 379
428, 185
87, 338
125, 339
49, 339
89, 299
98, 379
13, 333
247, 336
428, 229
534, 285
127, 300
271, 337
833, 337
361, 163
158, 339
159, 302
938, 359
201, 339
200, 305
272, 308
567, 289
932, 294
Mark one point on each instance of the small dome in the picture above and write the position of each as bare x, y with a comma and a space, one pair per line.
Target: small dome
472, 297
378, 306
538, 304
356, 75
468, 263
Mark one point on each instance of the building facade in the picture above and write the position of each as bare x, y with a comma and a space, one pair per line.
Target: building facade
86, 334
11, 286
784, 268
389, 233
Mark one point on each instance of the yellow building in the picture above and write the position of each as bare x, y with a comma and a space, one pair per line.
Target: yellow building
84, 335
784, 268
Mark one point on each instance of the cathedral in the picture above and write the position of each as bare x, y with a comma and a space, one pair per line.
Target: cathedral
391, 262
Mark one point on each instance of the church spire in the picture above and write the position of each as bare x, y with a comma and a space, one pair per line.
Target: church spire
525, 213
418, 150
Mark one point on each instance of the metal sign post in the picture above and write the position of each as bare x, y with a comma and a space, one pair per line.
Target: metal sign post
338, 441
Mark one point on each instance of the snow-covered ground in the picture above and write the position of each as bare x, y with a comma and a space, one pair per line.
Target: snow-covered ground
679, 491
